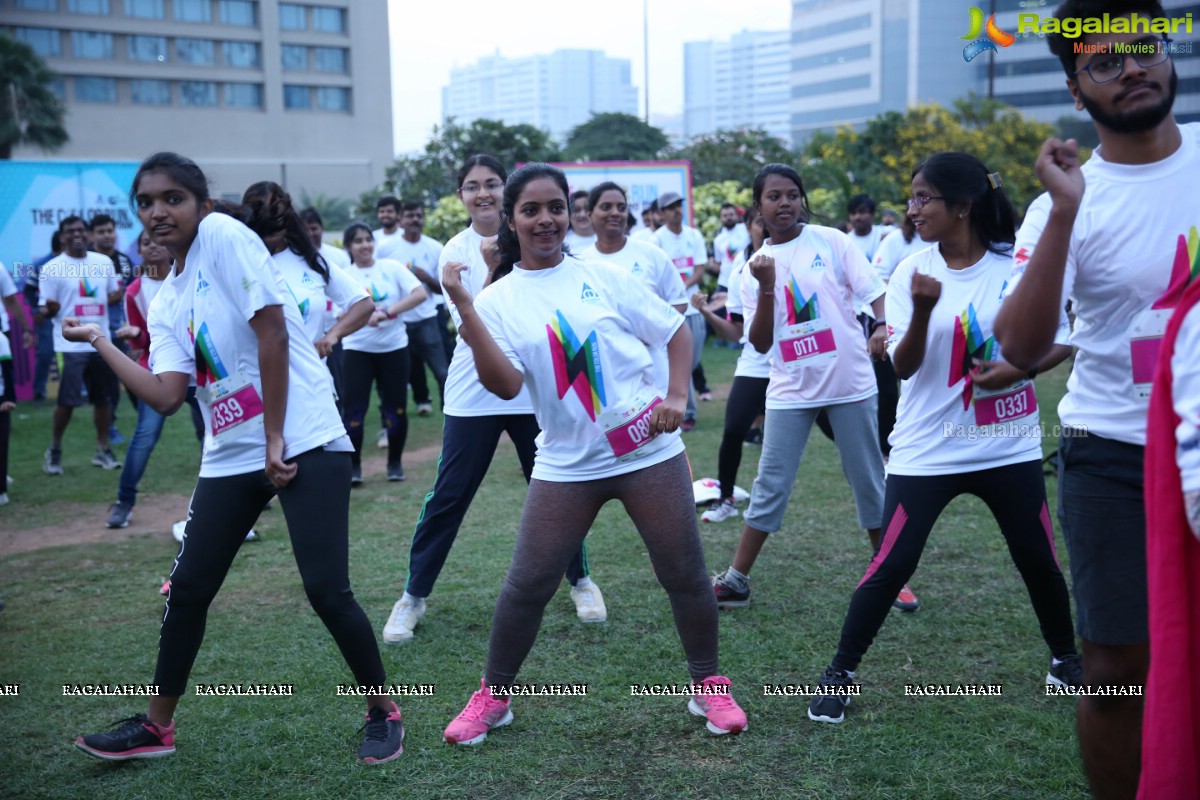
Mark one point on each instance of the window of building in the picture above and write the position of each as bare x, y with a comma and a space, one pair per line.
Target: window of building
145, 9
240, 54
150, 92
195, 51
89, 89
91, 44
147, 48
45, 42
37, 5
238, 12
330, 59
87, 7
197, 93
297, 97
330, 20
291, 17
193, 10
333, 98
295, 57
59, 87
243, 95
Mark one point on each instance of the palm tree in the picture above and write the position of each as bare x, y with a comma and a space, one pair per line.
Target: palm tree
30, 113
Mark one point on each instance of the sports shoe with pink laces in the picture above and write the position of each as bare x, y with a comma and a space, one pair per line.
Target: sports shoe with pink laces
481, 715
712, 699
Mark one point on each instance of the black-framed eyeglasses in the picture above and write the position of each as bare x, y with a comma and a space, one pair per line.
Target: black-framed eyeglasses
920, 201
1147, 53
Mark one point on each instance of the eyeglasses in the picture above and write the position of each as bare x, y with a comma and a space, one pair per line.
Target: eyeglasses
1147, 53
921, 200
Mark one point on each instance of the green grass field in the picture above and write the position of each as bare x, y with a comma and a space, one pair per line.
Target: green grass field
89, 613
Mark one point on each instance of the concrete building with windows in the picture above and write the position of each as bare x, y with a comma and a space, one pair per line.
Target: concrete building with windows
294, 92
741, 82
554, 92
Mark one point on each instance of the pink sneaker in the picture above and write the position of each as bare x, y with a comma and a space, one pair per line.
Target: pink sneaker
712, 699
166, 587
481, 715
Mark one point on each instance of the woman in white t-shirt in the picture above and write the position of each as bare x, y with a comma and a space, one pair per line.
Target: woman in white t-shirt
801, 292
968, 422
474, 421
378, 353
223, 318
577, 334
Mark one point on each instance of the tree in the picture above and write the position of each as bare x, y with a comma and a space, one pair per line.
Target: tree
33, 114
614, 137
1082, 131
731, 155
334, 211
706, 204
433, 174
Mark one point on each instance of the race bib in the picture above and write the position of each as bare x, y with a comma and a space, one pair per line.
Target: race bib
236, 407
89, 310
627, 426
806, 344
1145, 339
1004, 405
686, 267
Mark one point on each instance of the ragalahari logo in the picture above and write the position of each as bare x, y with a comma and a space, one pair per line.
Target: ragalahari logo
984, 37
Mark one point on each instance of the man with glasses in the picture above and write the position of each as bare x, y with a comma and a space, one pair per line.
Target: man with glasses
1120, 253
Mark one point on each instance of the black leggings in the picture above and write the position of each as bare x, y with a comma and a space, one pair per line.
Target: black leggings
316, 505
554, 521
1016, 496
747, 400
390, 372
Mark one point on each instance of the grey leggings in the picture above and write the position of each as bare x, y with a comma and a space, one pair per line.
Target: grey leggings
554, 521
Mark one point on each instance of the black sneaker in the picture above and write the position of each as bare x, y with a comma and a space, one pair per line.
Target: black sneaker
754, 436
831, 706
727, 595
356, 476
135, 737
383, 737
395, 472
119, 514
1068, 672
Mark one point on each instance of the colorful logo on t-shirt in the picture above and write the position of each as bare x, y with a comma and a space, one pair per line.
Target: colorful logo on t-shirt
799, 307
589, 295
576, 365
969, 345
209, 367
86, 289
377, 295
1185, 267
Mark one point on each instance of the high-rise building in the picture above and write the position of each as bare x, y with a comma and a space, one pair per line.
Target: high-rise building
741, 82
251, 90
554, 92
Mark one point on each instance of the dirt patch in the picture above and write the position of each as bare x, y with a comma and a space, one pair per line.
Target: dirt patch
153, 516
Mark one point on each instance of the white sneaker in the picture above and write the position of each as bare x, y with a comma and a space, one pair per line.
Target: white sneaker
720, 510
381, 440
406, 615
178, 528
424, 409
589, 602
3, 498
251, 536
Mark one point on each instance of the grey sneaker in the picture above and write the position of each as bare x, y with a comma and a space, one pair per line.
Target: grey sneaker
424, 409
52, 465
119, 514
106, 459
395, 472
356, 476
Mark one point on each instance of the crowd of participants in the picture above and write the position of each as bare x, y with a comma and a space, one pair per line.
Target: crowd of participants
914, 347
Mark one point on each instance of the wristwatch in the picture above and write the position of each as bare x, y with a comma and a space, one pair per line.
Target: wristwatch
878, 323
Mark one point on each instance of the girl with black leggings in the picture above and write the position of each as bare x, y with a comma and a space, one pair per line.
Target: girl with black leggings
224, 319
967, 422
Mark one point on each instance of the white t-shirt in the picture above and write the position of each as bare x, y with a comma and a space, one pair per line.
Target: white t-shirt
388, 282
649, 264
577, 243
314, 298
818, 355
892, 251
728, 244
1127, 264
644, 233
869, 244
7, 289
335, 256
424, 254
581, 333
80, 286
1185, 397
945, 424
465, 395
199, 326
687, 252
382, 238
750, 363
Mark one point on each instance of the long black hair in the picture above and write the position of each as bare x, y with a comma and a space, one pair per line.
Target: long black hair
506, 242
269, 211
962, 179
